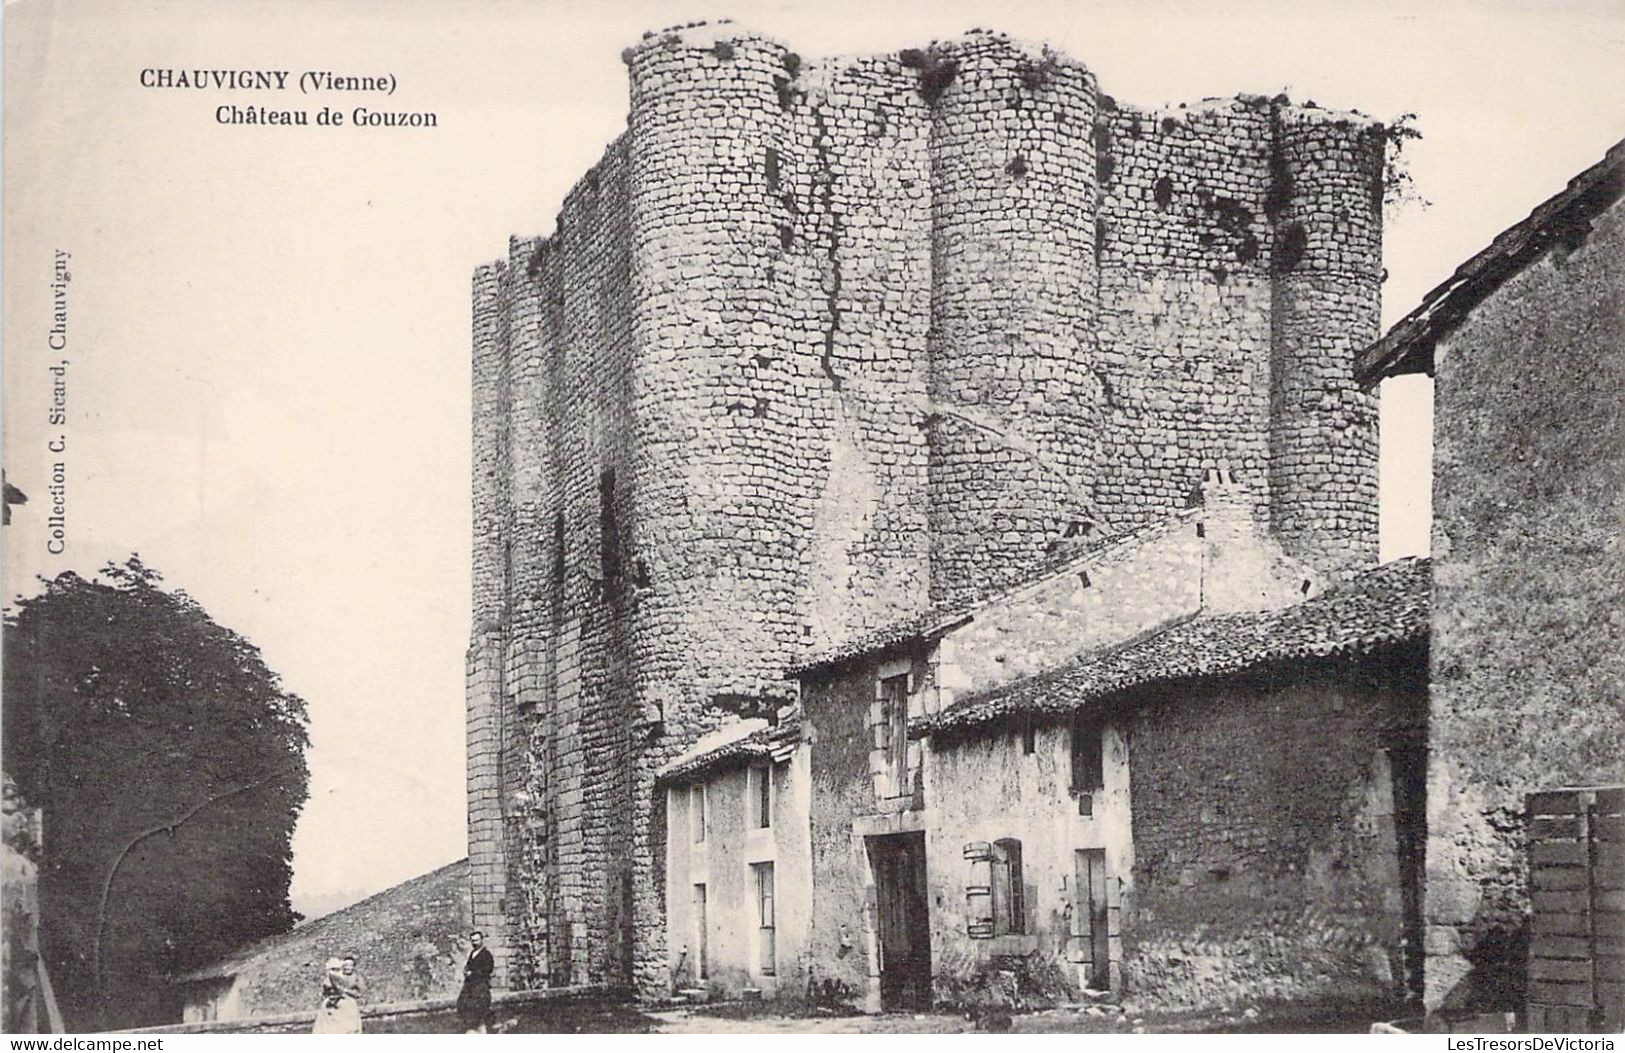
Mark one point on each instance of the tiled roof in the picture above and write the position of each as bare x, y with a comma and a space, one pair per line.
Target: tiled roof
775, 741
1408, 346
927, 625
1384, 606
943, 617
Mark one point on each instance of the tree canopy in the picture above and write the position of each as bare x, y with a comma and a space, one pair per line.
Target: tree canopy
169, 764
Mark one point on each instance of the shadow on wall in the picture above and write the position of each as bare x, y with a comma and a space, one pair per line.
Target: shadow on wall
1499, 974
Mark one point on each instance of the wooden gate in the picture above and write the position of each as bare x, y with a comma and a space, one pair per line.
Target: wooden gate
1577, 885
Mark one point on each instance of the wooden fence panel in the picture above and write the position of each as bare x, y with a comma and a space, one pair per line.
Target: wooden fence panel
1576, 845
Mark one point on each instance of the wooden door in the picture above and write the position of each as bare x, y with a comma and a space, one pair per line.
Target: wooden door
903, 919
1576, 841
1094, 926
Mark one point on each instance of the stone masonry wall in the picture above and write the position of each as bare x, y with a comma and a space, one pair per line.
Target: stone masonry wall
842, 942
409, 942
1327, 262
819, 342
999, 790
860, 253
1267, 839
1529, 586
1239, 273
1013, 310
1185, 295
549, 709
487, 637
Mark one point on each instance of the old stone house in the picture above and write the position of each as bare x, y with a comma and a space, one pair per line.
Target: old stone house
986, 796
1227, 810
880, 818
1526, 343
820, 345
739, 896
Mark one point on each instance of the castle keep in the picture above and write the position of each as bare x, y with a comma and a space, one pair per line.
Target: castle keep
820, 344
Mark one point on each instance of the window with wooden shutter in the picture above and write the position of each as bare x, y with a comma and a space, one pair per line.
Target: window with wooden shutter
895, 694
889, 764
1009, 893
979, 891
995, 892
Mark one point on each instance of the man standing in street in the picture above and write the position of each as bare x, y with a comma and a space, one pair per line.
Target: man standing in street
474, 1000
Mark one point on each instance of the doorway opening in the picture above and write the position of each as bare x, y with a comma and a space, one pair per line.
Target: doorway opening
903, 920
1093, 916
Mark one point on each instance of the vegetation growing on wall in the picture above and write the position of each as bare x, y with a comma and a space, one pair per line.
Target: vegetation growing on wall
1396, 188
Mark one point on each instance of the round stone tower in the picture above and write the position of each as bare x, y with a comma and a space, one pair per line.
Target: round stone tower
718, 482
1326, 210
1014, 402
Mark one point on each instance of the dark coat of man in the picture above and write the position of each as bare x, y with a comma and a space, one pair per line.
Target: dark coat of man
474, 1000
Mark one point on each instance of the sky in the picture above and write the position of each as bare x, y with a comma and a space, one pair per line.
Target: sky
268, 369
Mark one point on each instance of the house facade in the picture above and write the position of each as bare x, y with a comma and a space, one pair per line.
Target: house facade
1254, 780
739, 897
1528, 661
921, 843
1059, 788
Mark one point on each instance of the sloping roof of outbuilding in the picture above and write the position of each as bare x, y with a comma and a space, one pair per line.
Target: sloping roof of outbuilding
745, 741
942, 618
1384, 606
1408, 346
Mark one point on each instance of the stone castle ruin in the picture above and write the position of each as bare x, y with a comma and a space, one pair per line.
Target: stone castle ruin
819, 344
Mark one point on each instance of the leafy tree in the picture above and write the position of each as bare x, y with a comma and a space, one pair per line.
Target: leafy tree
169, 764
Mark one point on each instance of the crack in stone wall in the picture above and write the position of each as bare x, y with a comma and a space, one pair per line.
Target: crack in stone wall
824, 176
